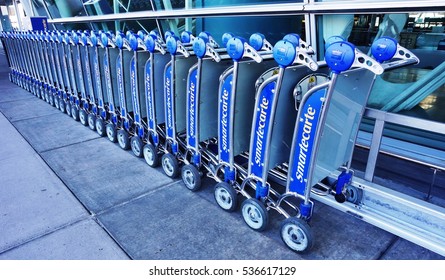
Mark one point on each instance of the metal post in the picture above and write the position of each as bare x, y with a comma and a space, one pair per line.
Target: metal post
116, 11
374, 149
19, 20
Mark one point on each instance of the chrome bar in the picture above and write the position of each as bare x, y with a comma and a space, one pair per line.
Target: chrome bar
374, 149
337, 7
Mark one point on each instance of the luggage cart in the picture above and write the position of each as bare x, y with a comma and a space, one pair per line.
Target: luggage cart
111, 120
33, 78
61, 88
154, 99
125, 126
65, 55
201, 111
70, 97
175, 87
98, 110
235, 112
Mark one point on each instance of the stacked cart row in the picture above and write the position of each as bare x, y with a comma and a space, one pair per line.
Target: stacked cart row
269, 123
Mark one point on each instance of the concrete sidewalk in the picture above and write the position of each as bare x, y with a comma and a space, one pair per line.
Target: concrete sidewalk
66, 193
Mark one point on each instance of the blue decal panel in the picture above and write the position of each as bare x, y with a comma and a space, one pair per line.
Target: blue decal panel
134, 90
192, 109
169, 102
79, 70
262, 126
225, 121
108, 81
88, 73
149, 95
305, 137
120, 85
97, 78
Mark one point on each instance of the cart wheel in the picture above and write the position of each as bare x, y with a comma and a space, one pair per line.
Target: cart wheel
170, 165
151, 155
62, 106
100, 127
56, 102
110, 129
136, 146
75, 113
123, 139
353, 194
296, 234
83, 116
92, 121
255, 214
68, 109
191, 177
51, 100
226, 196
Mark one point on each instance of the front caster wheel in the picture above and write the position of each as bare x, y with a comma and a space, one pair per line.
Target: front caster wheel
191, 177
123, 139
75, 113
62, 106
100, 127
151, 155
110, 129
92, 121
68, 108
226, 196
296, 234
51, 100
255, 214
83, 116
136, 146
170, 165
56, 102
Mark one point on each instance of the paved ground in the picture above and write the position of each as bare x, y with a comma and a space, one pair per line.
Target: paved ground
66, 193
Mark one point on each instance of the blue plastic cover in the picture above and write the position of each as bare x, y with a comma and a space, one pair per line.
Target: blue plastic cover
154, 33
340, 56
119, 41
205, 35
235, 48
284, 53
133, 42
104, 39
384, 49
141, 34
256, 40
168, 34
93, 39
127, 34
186, 37
172, 44
333, 39
199, 47
83, 37
75, 37
226, 37
293, 38
149, 42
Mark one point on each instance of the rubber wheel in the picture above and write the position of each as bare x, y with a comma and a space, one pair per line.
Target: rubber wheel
191, 177
110, 129
297, 235
151, 155
51, 100
123, 139
92, 121
226, 196
100, 127
56, 102
62, 106
170, 165
83, 116
255, 214
75, 113
136, 146
68, 108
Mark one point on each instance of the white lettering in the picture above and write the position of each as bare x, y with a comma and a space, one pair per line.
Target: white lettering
262, 119
304, 142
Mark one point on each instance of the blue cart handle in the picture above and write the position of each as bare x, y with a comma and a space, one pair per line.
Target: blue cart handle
106, 40
202, 48
175, 46
152, 44
299, 43
259, 42
207, 36
387, 48
287, 53
238, 48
